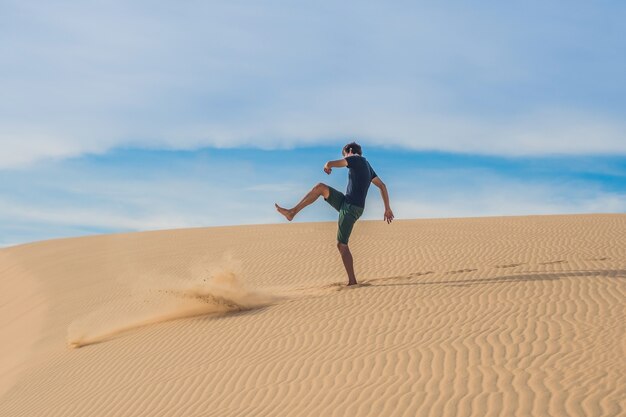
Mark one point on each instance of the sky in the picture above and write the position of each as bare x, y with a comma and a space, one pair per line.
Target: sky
128, 116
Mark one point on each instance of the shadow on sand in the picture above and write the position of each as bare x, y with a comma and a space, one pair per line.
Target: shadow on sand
527, 276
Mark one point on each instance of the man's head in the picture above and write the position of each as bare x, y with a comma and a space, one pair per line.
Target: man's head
352, 148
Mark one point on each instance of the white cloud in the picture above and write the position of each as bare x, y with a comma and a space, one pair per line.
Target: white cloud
22, 147
95, 218
67, 200
543, 134
84, 78
76, 199
495, 197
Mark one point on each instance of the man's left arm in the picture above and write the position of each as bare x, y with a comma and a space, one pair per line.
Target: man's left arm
339, 163
388, 217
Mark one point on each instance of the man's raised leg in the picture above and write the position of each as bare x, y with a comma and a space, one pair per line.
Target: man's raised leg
346, 257
319, 190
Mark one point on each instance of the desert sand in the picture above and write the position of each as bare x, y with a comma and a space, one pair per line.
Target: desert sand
486, 316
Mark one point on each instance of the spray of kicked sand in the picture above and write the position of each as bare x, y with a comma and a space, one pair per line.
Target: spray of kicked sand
161, 298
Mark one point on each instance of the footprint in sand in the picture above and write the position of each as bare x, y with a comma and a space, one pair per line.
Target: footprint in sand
560, 261
461, 270
340, 286
411, 275
509, 265
417, 274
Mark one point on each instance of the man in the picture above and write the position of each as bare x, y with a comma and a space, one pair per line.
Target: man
350, 206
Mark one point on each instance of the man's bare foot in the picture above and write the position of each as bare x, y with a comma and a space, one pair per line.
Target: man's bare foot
352, 283
289, 215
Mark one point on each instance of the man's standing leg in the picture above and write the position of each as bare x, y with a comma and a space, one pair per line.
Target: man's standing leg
348, 263
319, 190
348, 215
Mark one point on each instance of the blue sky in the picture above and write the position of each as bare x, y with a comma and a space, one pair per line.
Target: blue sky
122, 116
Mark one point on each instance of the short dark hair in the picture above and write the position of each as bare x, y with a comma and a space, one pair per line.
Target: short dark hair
353, 147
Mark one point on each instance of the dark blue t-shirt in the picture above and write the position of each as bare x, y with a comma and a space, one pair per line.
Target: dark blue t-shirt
360, 176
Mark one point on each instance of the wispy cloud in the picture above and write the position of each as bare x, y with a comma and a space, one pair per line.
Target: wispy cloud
91, 91
508, 80
136, 190
508, 199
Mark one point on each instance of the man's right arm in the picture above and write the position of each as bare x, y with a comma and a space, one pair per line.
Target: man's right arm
340, 163
383, 192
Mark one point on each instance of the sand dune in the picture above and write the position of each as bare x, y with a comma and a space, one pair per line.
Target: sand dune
493, 316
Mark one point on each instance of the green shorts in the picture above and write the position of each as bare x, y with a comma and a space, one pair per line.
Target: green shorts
348, 214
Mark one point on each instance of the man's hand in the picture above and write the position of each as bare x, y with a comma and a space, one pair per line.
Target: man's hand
383, 192
340, 163
388, 215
